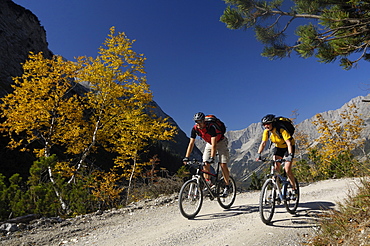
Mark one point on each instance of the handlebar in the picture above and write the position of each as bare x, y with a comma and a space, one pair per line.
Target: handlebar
278, 160
190, 162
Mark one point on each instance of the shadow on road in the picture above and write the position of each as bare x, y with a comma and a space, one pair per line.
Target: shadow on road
307, 215
231, 212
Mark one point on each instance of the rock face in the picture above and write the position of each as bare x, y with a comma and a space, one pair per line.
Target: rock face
20, 33
243, 144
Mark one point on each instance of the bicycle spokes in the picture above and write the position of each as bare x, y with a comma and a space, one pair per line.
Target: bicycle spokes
292, 197
226, 194
190, 199
267, 201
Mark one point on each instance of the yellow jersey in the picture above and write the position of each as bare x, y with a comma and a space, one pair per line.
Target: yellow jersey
274, 137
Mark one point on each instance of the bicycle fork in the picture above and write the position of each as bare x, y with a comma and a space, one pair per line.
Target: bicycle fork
193, 191
280, 192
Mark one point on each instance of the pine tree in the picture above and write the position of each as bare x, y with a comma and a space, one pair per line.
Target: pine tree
333, 29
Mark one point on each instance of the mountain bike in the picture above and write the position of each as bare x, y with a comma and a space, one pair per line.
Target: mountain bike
277, 189
192, 191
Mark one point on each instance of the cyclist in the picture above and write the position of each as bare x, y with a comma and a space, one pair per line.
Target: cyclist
284, 147
215, 142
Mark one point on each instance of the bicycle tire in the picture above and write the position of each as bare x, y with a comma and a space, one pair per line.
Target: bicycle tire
226, 201
290, 203
190, 199
267, 201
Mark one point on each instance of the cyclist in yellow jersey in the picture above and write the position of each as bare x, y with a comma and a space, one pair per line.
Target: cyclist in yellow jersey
284, 146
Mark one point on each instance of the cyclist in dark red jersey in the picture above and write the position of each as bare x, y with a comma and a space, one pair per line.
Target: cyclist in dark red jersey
215, 142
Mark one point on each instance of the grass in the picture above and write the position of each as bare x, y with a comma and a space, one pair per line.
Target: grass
350, 225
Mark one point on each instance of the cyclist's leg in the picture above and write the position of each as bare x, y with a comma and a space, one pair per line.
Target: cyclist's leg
278, 154
225, 172
206, 156
223, 153
289, 172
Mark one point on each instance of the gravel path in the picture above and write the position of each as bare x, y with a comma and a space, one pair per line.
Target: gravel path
154, 225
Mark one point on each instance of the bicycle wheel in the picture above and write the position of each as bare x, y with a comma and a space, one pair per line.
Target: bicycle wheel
291, 202
267, 201
226, 201
190, 199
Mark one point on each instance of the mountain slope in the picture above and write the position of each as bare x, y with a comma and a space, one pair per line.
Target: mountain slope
243, 144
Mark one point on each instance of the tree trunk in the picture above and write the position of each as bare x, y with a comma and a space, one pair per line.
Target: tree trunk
130, 181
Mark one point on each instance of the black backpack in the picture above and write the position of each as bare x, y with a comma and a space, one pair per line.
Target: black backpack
216, 122
286, 124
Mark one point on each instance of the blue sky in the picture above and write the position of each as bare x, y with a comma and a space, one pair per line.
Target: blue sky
194, 63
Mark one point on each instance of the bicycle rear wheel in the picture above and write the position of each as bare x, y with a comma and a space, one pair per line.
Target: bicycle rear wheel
291, 201
190, 199
226, 200
267, 201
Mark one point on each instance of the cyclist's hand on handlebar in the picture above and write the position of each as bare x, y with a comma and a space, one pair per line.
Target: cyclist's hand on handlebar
258, 157
210, 160
289, 158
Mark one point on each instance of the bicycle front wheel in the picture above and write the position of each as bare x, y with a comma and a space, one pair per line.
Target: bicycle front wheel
267, 201
190, 199
291, 200
226, 198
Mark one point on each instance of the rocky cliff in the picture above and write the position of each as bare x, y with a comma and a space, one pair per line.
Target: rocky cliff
20, 33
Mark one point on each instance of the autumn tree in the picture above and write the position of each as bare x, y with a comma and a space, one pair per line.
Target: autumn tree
114, 114
119, 102
333, 29
338, 139
42, 108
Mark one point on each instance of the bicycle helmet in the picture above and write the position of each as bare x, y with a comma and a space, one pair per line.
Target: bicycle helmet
199, 116
270, 118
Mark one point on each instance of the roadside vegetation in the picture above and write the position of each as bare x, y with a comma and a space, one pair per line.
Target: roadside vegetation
333, 157
67, 132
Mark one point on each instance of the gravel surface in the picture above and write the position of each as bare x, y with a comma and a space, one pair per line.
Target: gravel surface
159, 222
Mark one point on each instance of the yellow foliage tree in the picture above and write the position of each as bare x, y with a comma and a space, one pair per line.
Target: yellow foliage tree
339, 137
114, 113
42, 107
119, 100
105, 188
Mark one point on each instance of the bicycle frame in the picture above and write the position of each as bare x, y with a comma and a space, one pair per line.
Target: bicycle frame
192, 191
199, 177
276, 177
276, 189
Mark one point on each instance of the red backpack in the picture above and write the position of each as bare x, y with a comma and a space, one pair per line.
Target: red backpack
216, 122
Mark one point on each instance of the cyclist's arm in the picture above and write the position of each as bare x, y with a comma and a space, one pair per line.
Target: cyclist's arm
262, 147
265, 138
290, 145
190, 147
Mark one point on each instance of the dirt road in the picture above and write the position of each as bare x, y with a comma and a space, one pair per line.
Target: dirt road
239, 225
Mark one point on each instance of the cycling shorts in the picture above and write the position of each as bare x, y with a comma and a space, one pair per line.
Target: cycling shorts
222, 150
282, 152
